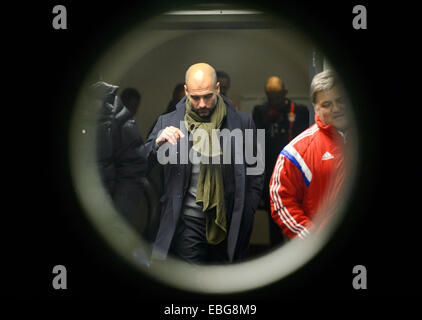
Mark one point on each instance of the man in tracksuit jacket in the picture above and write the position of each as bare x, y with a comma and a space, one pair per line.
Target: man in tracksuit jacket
309, 171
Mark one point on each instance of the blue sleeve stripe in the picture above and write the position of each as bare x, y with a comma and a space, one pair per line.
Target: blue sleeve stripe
289, 156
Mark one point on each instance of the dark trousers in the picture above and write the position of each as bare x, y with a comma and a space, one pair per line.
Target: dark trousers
190, 243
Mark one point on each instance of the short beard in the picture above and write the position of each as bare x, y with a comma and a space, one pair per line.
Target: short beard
211, 110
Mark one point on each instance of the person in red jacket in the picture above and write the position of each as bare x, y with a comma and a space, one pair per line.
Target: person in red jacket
309, 171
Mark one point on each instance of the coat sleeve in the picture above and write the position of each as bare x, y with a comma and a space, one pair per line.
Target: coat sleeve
286, 196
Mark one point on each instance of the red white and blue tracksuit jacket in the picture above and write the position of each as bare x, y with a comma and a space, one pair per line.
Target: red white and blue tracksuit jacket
308, 175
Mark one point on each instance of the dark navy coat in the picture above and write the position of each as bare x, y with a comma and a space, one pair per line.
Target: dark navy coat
242, 192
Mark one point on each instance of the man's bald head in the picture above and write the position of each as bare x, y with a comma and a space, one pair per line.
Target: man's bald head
202, 88
201, 74
275, 90
274, 83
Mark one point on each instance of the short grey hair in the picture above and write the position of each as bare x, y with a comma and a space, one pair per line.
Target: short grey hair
323, 81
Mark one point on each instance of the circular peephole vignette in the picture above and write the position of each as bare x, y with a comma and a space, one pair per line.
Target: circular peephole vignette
272, 266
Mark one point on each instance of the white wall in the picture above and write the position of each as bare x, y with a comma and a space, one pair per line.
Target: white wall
248, 56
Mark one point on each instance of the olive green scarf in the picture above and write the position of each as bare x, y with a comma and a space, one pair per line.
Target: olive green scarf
210, 188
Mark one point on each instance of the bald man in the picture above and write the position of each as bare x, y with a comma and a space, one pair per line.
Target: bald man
207, 208
282, 120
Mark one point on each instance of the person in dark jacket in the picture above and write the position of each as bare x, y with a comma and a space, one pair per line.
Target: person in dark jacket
282, 120
131, 98
207, 209
120, 153
224, 79
178, 94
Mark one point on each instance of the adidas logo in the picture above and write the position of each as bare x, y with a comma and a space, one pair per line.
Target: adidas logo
327, 156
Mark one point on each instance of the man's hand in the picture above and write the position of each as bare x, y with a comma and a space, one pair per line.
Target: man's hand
170, 134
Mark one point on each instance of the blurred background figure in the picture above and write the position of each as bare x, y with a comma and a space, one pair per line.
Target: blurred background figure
282, 120
224, 80
131, 99
225, 83
120, 155
178, 94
